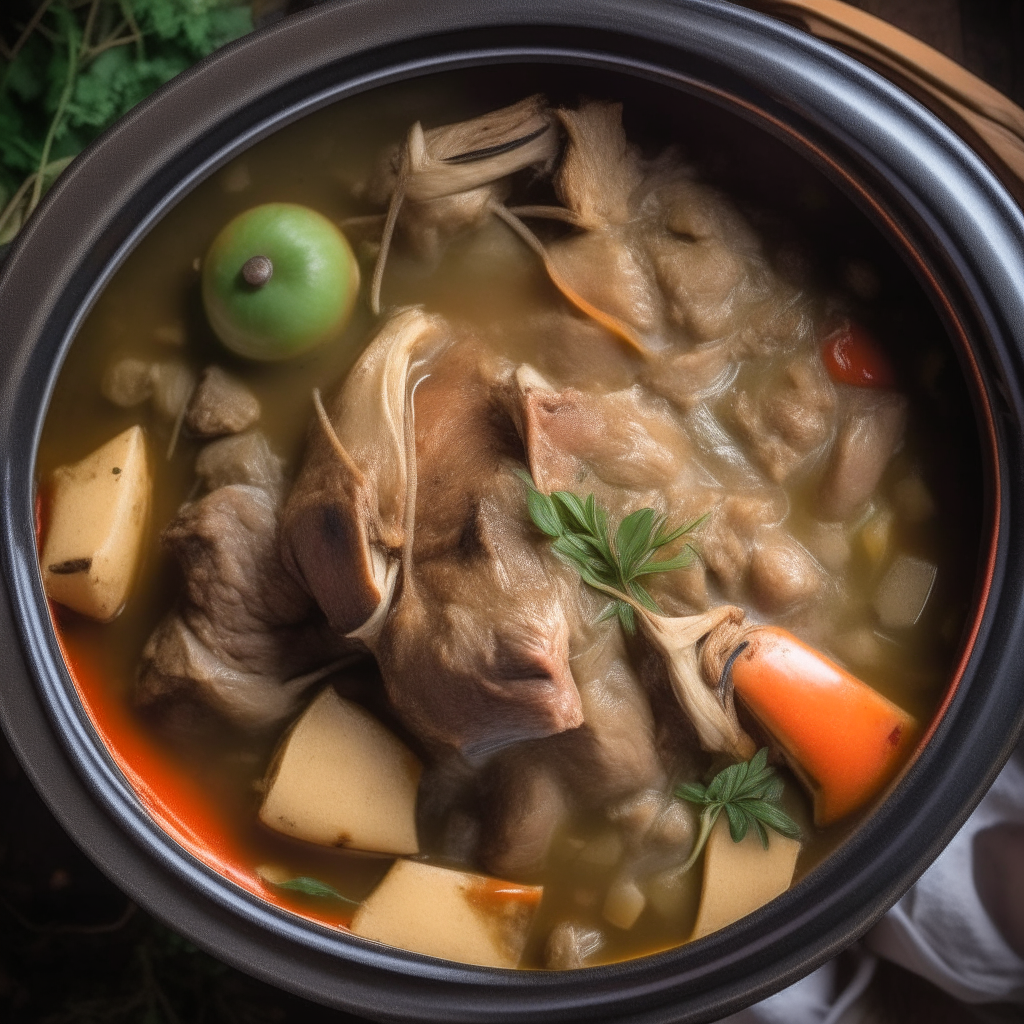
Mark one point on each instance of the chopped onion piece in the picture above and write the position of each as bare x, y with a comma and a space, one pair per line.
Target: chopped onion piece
904, 591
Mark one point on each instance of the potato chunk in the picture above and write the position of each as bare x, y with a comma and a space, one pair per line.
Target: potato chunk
455, 915
342, 779
740, 877
99, 509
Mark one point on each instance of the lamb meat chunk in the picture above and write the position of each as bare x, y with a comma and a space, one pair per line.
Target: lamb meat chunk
571, 945
240, 459
727, 538
706, 258
245, 631
220, 405
577, 439
782, 573
235, 585
868, 439
446, 178
525, 803
600, 169
475, 651
658, 250
177, 665
345, 518
784, 425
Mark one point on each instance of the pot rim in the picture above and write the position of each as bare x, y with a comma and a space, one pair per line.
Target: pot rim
160, 151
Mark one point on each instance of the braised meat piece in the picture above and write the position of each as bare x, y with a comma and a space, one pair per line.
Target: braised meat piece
220, 405
475, 652
868, 439
239, 459
344, 524
786, 421
245, 633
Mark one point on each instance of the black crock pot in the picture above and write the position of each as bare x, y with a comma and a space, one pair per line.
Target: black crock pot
938, 205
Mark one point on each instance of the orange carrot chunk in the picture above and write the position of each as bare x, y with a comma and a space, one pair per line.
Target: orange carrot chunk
844, 739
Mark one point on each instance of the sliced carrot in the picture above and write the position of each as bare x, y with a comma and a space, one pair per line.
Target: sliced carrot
610, 323
843, 739
852, 356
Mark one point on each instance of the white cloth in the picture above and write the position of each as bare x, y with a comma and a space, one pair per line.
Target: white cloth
939, 930
814, 999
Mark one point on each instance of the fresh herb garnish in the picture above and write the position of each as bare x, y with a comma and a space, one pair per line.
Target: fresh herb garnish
581, 535
303, 883
749, 792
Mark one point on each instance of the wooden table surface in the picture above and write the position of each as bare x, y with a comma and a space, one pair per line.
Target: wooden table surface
986, 36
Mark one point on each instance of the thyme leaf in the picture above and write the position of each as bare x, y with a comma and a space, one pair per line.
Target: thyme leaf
314, 887
581, 535
280, 878
749, 792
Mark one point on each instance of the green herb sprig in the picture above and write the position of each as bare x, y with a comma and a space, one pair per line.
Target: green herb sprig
580, 534
304, 884
749, 792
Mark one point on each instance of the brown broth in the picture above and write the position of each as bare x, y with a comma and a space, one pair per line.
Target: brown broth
151, 309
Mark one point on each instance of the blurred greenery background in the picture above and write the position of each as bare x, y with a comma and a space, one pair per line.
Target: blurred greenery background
70, 68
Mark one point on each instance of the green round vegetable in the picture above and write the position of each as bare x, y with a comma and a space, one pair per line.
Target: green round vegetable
279, 280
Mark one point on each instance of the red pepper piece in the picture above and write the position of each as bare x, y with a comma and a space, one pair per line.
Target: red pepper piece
852, 356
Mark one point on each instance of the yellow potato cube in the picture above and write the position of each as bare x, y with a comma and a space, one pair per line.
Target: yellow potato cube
913, 499
98, 513
343, 779
454, 915
877, 534
740, 877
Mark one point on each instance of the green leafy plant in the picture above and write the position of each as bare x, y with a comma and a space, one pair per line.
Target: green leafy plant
75, 66
749, 792
581, 535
